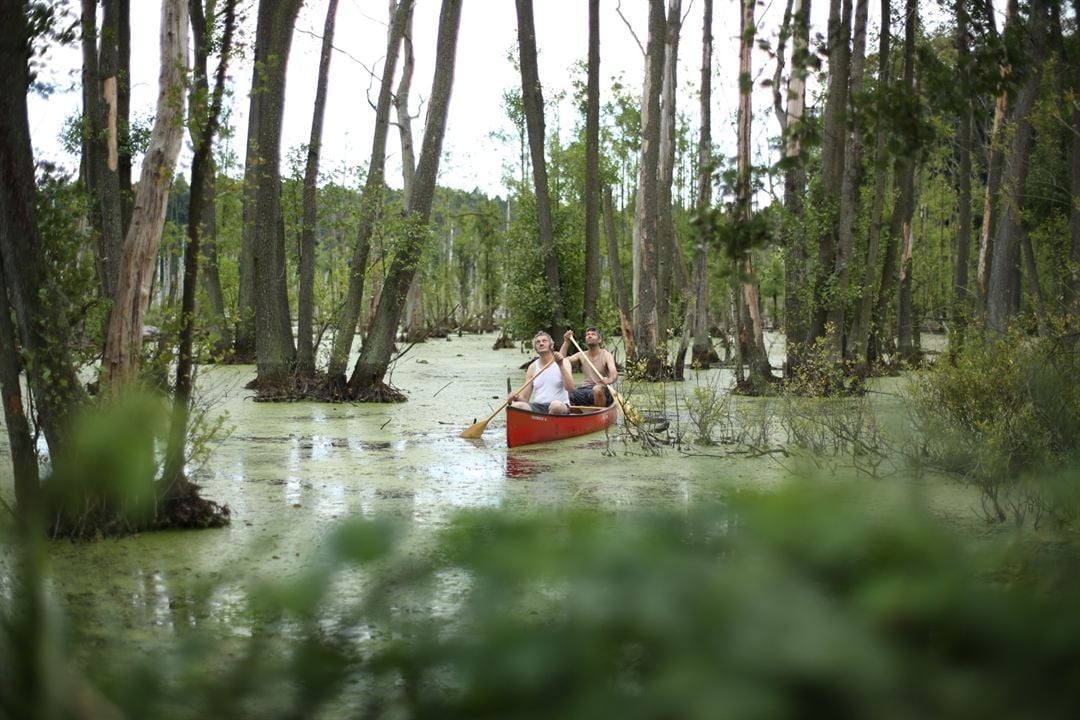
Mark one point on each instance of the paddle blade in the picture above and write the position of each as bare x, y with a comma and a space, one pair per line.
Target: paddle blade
475, 430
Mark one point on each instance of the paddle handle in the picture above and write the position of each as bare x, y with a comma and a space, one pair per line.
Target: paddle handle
519, 390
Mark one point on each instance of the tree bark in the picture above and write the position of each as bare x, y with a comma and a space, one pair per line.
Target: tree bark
1073, 289
618, 280
533, 101
366, 382
646, 322
863, 323
961, 306
666, 228
305, 350
702, 354
127, 319
414, 303
752, 330
1004, 290
832, 163
792, 126
204, 126
41, 320
592, 169
371, 204
275, 351
24, 461
839, 312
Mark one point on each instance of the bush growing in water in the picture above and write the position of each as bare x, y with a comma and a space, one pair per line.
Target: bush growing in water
1002, 413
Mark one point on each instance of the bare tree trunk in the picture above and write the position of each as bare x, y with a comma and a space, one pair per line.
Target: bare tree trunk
204, 211
900, 228
993, 174
905, 326
305, 350
666, 227
124, 339
275, 350
961, 305
205, 121
839, 314
1073, 290
832, 162
646, 322
703, 354
752, 331
371, 203
592, 169
414, 303
533, 101
861, 327
618, 280
24, 461
367, 382
1002, 295
792, 127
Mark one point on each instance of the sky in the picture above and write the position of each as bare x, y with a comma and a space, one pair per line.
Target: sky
472, 158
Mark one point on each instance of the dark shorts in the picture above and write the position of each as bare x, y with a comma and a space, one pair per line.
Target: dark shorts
540, 407
583, 395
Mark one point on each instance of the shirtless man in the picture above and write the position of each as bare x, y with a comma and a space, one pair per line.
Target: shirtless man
552, 387
595, 389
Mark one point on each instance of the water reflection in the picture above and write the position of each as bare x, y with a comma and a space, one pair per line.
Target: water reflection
523, 468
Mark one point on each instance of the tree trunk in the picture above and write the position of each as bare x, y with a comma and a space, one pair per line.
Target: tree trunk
24, 461
42, 326
592, 169
533, 102
900, 225
646, 322
832, 163
124, 339
861, 327
1073, 290
792, 126
839, 313
205, 121
366, 382
414, 302
961, 306
275, 351
618, 280
666, 229
1001, 301
371, 204
305, 350
205, 211
994, 170
905, 325
752, 330
703, 354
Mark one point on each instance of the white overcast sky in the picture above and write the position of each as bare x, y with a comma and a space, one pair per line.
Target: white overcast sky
488, 33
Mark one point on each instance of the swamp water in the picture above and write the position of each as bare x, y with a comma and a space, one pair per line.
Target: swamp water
290, 472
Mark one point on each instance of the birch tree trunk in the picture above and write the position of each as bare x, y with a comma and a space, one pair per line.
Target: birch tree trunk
127, 319
305, 350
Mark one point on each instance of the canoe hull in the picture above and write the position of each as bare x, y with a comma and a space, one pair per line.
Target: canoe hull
525, 428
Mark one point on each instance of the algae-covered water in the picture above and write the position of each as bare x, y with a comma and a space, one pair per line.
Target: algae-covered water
290, 471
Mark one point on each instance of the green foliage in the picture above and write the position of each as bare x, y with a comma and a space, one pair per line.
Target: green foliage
755, 608
1003, 412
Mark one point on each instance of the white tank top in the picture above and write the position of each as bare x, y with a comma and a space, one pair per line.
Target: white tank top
548, 385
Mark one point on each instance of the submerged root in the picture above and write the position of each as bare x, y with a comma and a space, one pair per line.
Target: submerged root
189, 510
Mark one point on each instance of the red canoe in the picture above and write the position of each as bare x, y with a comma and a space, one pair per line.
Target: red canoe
525, 428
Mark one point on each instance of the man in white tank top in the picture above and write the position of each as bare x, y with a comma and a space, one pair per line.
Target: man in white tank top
550, 388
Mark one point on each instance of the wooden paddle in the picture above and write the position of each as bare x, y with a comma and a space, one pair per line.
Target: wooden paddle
477, 428
629, 411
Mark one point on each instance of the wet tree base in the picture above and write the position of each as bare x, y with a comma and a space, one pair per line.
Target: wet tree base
320, 387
